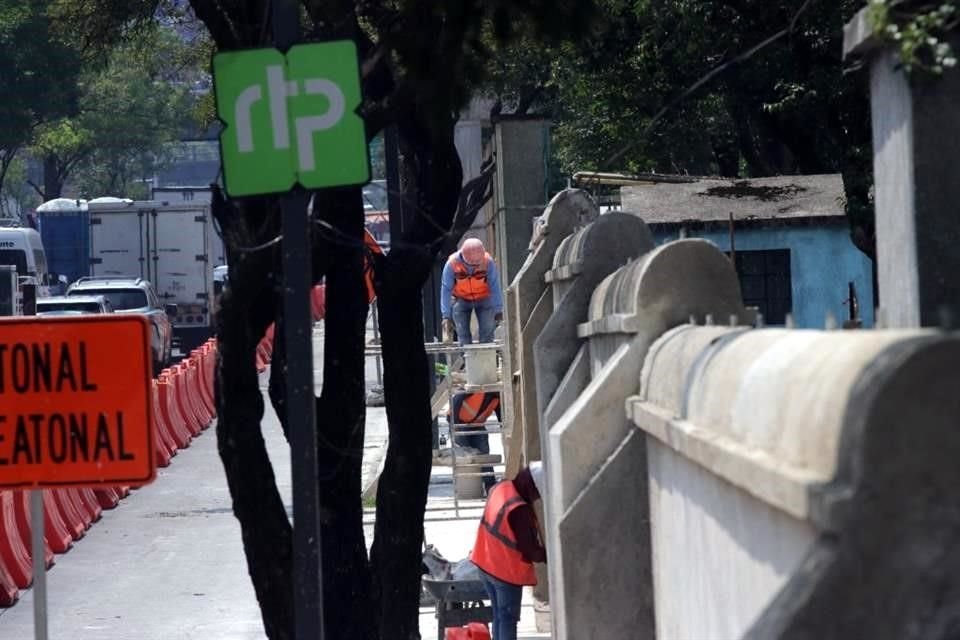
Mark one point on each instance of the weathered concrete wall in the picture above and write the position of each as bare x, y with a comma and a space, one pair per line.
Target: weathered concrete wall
768, 450
822, 261
916, 145
730, 565
521, 186
595, 461
581, 262
566, 212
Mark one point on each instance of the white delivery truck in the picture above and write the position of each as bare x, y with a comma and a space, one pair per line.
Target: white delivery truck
24, 260
172, 245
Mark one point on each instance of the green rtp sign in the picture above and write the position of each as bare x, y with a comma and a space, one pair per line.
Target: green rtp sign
290, 118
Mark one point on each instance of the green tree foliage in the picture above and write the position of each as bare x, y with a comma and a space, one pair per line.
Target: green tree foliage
919, 32
789, 108
38, 71
130, 107
17, 196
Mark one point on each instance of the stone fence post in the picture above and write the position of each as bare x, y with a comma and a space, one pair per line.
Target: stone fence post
598, 529
916, 146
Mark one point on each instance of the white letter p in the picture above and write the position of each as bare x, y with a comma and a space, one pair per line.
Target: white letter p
307, 126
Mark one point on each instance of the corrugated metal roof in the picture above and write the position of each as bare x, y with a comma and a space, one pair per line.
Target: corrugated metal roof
714, 199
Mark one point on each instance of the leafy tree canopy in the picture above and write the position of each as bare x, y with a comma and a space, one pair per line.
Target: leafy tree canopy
788, 108
130, 106
38, 71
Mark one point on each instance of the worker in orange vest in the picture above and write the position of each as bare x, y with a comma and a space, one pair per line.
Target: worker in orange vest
467, 410
508, 543
470, 284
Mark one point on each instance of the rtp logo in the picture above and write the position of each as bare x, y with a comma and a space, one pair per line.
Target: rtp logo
290, 118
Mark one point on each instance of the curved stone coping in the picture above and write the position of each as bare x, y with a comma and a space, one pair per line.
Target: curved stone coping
569, 209
566, 272
764, 409
614, 233
683, 275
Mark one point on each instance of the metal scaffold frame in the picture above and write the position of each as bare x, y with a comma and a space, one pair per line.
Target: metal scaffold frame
453, 356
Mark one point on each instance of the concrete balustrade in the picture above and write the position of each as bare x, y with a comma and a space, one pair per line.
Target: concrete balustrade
706, 479
528, 303
598, 523
581, 262
801, 482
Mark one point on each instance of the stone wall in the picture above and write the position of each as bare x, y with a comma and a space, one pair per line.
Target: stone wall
706, 479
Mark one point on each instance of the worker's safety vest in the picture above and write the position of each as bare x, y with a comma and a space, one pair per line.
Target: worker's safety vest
475, 408
496, 551
470, 286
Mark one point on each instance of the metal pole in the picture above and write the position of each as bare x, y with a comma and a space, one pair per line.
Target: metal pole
733, 243
39, 565
376, 337
301, 402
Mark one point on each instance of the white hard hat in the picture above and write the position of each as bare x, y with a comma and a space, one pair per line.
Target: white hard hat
536, 472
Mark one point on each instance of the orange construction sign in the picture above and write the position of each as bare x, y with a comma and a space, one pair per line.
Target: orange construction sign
75, 402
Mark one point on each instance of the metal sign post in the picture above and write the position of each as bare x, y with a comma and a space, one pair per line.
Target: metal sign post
301, 404
290, 125
39, 565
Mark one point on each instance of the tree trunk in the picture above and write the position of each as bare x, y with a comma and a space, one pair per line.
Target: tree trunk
247, 307
341, 416
434, 176
52, 184
402, 491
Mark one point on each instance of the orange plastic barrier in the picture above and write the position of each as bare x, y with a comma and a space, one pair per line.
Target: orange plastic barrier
166, 390
188, 369
473, 631
181, 401
9, 594
262, 356
195, 376
21, 511
203, 391
13, 556
69, 511
318, 302
108, 498
90, 503
210, 368
165, 447
55, 529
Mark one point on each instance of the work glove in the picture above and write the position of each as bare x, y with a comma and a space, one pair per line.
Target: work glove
447, 329
498, 318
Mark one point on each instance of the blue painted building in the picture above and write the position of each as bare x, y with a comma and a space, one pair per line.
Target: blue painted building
791, 241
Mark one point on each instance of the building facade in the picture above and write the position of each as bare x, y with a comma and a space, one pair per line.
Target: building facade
789, 239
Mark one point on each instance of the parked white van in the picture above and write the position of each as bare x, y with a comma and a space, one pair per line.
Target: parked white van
21, 248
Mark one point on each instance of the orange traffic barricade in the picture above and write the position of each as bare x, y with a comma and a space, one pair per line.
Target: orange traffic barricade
204, 416
201, 385
91, 503
181, 401
108, 498
9, 594
164, 445
13, 555
68, 511
55, 529
166, 391
21, 511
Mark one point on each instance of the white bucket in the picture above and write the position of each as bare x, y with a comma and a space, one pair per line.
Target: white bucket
468, 487
481, 366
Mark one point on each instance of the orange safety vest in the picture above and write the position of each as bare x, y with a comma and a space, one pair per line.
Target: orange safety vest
371, 245
469, 286
475, 408
495, 551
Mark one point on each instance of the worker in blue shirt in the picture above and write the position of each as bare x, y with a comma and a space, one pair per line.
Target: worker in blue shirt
470, 284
